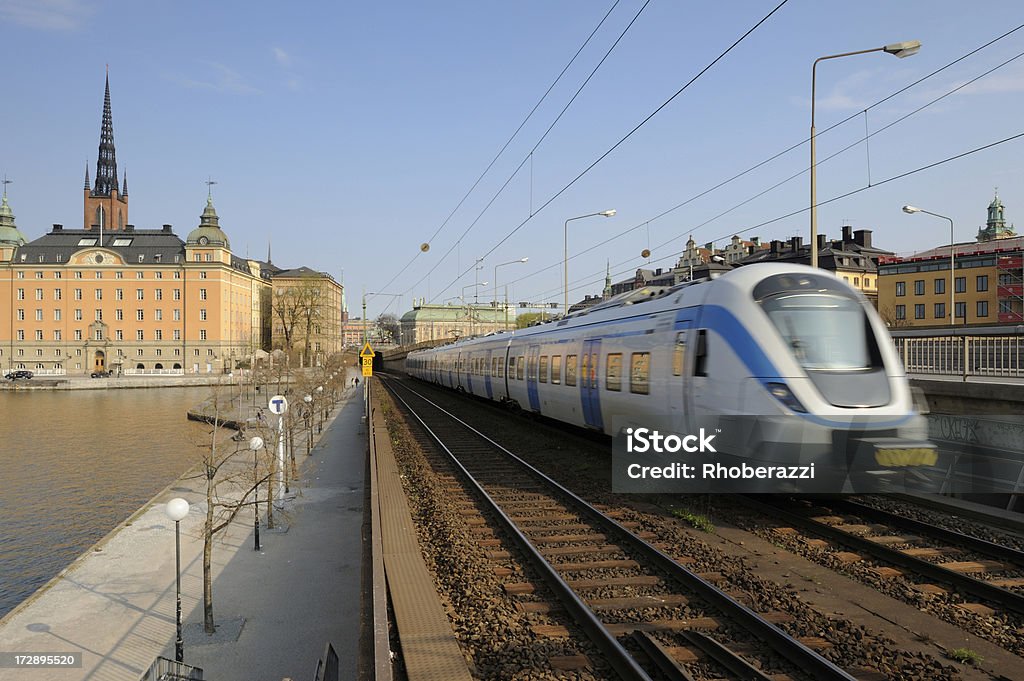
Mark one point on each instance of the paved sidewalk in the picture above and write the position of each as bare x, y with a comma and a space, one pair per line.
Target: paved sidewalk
116, 603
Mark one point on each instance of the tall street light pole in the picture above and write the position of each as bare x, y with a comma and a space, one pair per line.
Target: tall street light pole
565, 251
510, 262
901, 50
952, 260
468, 307
176, 510
256, 444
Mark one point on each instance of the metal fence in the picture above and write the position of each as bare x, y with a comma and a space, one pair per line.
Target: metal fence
163, 669
963, 355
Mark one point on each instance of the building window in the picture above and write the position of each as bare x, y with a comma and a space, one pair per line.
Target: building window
39, 315
140, 315
856, 282
901, 312
159, 352
21, 275
158, 275
78, 314
119, 335
99, 294
961, 285
177, 334
159, 293
99, 315
159, 335
56, 294
99, 275
139, 353
961, 310
940, 310
177, 315
940, 286
119, 294
98, 334
78, 275
982, 307
177, 294
919, 311
119, 314
919, 287
139, 295
209, 257
140, 275
139, 335
78, 335
78, 294
56, 315
202, 274
39, 334
202, 334
118, 275
56, 336
202, 314
21, 314
202, 294
981, 283
901, 288
39, 294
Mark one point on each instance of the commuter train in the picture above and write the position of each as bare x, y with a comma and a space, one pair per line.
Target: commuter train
794, 355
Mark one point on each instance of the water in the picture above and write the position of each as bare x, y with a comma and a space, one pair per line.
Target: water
74, 464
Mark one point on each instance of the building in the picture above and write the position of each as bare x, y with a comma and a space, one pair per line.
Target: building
987, 289
427, 322
110, 297
306, 310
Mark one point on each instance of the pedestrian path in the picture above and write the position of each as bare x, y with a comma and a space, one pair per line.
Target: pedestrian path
277, 608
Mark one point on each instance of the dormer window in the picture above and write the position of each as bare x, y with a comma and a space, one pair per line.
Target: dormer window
87, 241
122, 241
141, 257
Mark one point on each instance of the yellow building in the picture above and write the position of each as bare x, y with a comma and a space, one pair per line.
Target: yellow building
110, 297
306, 309
987, 281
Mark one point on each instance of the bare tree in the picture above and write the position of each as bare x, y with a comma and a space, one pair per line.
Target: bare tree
390, 327
888, 315
301, 314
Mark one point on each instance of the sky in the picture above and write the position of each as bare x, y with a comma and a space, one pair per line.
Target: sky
346, 135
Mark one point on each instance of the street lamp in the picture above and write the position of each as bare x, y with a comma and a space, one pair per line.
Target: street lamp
510, 262
952, 260
307, 416
176, 510
256, 444
565, 249
468, 307
901, 50
319, 399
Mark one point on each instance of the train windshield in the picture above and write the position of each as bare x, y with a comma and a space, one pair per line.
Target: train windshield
823, 330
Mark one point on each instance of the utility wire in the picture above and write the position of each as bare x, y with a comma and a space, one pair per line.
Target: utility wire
512, 137
623, 139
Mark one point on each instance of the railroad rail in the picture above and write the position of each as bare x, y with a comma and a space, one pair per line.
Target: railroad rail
982, 576
582, 553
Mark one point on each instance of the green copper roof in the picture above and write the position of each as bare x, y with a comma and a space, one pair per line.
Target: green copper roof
209, 228
9, 233
457, 313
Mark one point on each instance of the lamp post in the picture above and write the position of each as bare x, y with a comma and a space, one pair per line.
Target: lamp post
307, 415
565, 250
319, 399
901, 50
952, 260
468, 307
256, 444
510, 262
176, 510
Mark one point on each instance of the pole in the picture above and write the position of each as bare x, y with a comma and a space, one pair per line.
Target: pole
952, 277
256, 502
179, 645
280, 456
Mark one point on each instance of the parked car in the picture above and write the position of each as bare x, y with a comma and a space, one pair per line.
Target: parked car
101, 374
20, 373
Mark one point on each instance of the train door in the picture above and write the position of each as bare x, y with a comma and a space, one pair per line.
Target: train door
489, 368
679, 398
470, 368
532, 358
589, 389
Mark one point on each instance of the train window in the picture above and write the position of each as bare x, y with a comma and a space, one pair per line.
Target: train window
639, 371
531, 368
501, 367
544, 369
511, 366
613, 372
494, 367
592, 374
679, 354
520, 366
556, 369
700, 359
570, 369
584, 370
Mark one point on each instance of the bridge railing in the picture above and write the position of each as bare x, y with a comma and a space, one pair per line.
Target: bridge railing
996, 356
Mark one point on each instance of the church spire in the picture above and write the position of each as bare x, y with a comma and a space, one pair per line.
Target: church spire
87, 185
607, 293
106, 162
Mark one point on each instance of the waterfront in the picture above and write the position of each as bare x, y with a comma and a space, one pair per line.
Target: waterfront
77, 463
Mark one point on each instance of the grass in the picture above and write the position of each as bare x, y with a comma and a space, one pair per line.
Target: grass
965, 656
696, 520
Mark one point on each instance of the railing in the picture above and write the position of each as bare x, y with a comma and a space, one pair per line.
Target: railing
154, 372
963, 355
49, 372
163, 669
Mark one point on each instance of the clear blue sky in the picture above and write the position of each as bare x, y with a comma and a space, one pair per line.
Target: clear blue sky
346, 133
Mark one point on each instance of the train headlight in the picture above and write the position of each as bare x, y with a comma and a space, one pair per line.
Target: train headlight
782, 393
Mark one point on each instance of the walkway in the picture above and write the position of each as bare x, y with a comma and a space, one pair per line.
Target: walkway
275, 609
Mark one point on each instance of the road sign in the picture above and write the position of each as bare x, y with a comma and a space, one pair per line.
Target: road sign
368, 366
278, 404
367, 351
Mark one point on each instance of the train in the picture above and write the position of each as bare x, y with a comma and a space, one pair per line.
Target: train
787, 362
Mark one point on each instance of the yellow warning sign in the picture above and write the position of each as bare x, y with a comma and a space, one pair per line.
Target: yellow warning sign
368, 366
367, 350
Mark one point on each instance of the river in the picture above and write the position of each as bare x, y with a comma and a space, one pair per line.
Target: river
74, 464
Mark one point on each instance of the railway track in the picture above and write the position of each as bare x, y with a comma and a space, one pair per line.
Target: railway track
644, 611
978, 577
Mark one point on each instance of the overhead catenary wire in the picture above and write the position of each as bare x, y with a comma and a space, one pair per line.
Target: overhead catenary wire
795, 146
509, 141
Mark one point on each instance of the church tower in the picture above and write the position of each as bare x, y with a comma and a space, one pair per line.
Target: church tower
105, 207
